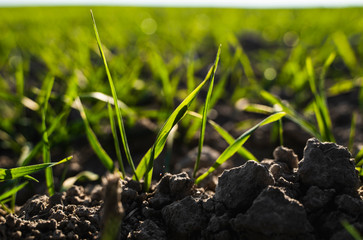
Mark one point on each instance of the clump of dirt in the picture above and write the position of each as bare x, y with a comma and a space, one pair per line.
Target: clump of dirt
328, 166
238, 187
74, 214
280, 198
273, 215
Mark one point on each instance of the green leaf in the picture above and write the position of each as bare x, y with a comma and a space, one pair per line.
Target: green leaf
12, 191
46, 148
26, 159
281, 133
95, 144
108, 99
232, 149
115, 99
326, 66
13, 173
145, 166
345, 50
311, 74
158, 66
19, 76
85, 175
115, 140
205, 113
320, 105
31, 178
290, 113
190, 74
258, 108
227, 137
351, 230
353, 126
244, 60
343, 86
359, 158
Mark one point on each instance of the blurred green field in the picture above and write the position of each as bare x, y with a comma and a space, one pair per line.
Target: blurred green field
156, 57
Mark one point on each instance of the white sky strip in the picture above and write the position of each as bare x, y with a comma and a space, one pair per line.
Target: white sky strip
191, 3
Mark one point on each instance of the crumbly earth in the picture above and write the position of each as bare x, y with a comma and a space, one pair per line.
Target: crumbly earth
280, 198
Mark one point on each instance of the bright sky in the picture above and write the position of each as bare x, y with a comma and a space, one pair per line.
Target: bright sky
193, 3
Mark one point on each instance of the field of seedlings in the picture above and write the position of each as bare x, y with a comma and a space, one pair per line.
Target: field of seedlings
181, 123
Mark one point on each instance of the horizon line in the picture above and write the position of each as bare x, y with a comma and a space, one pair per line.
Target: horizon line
258, 4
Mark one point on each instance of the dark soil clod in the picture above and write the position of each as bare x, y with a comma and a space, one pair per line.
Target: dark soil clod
185, 219
273, 215
328, 166
287, 156
68, 215
238, 187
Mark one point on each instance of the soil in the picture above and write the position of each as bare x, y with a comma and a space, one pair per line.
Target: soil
279, 198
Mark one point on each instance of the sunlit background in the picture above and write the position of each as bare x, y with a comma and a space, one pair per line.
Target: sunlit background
193, 3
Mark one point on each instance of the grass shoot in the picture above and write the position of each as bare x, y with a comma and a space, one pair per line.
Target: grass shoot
145, 166
46, 148
233, 148
205, 114
14, 173
115, 99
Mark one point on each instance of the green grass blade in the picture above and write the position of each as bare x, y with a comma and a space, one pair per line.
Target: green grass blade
46, 147
326, 66
359, 158
115, 139
323, 101
12, 191
84, 175
114, 95
343, 86
190, 75
108, 99
281, 133
95, 144
351, 230
25, 101
145, 166
13, 173
158, 66
291, 113
219, 90
41, 98
244, 60
205, 114
193, 127
345, 51
277, 131
232, 149
320, 106
28, 177
32, 154
258, 108
19, 76
320, 121
26, 159
311, 74
352, 131
227, 137
230, 140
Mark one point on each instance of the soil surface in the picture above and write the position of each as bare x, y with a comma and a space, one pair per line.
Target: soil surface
280, 198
